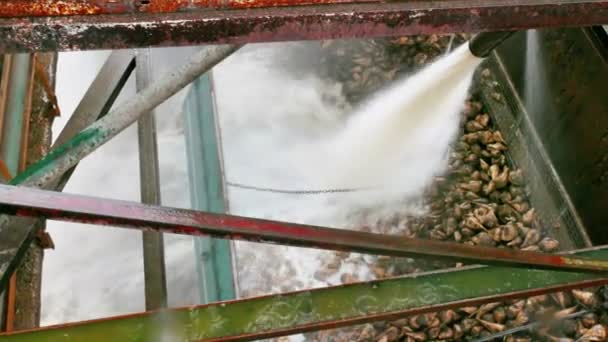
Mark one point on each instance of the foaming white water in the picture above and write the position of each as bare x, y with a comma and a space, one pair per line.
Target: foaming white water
279, 133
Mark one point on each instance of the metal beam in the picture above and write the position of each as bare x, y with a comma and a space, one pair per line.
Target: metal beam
96, 103
100, 96
236, 26
13, 241
214, 257
17, 103
155, 279
13, 143
22, 201
67, 155
325, 308
39, 8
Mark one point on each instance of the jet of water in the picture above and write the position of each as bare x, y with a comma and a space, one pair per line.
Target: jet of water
397, 141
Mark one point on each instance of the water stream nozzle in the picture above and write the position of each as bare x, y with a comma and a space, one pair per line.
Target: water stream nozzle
483, 43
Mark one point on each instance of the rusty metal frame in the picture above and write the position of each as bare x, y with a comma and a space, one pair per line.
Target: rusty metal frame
132, 26
30, 202
46, 25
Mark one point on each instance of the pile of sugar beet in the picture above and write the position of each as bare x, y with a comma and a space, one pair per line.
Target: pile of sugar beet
480, 200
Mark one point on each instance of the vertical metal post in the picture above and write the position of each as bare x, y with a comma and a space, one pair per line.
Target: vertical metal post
153, 247
205, 170
15, 107
17, 97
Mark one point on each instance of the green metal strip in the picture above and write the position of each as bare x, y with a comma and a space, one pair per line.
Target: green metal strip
334, 306
213, 256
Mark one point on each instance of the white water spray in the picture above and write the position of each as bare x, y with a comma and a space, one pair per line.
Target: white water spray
398, 140
535, 78
280, 134
275, 127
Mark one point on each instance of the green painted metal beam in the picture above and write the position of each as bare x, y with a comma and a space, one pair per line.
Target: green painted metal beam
283, 314
205, 171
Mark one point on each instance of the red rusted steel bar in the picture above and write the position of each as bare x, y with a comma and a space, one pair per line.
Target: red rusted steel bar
52, 8
29, 202
329, 21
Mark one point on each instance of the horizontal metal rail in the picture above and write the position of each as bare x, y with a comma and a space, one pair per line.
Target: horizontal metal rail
29, 202
39, 8
196, 24
325, 308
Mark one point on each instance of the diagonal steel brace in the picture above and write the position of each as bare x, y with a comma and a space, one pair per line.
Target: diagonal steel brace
28, 202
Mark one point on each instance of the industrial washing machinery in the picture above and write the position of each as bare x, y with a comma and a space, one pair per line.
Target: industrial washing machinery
566, 172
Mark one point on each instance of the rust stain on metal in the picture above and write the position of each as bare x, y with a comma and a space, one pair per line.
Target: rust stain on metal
43, 78
22, 201
161, 6
196, 23
24, 8
51, 8
4, 172
278, 3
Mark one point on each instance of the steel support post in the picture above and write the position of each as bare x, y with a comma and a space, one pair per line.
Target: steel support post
153, 243
13, 144
207, 188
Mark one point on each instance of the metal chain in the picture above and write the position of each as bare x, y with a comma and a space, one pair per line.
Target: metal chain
293, 192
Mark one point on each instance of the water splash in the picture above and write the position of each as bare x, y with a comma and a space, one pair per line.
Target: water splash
276, 127
279, 132
398, 140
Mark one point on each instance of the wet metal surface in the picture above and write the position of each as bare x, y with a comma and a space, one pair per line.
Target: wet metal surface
325, 308
567, 111
28, 202
203, 26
